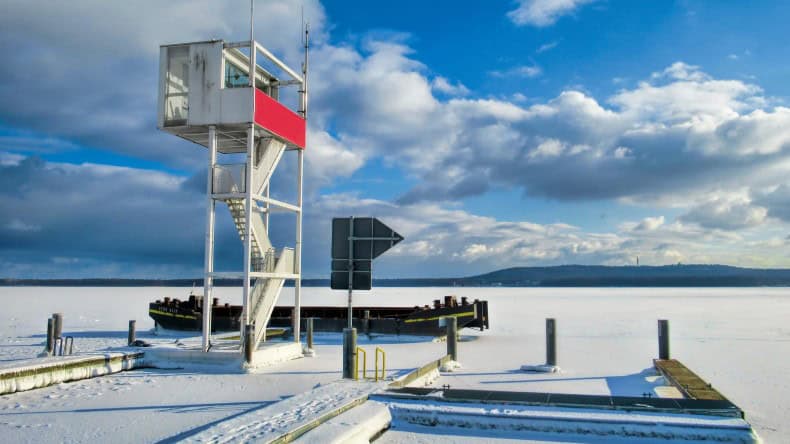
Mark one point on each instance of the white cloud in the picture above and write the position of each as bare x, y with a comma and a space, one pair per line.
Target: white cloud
527, 71
443, 85
547, 47
673, 136
726, 213
543, 13
441, 240
650, 223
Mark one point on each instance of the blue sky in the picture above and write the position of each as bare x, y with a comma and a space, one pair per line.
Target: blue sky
530, 132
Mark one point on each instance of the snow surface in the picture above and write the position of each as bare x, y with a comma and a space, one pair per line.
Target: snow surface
736, 338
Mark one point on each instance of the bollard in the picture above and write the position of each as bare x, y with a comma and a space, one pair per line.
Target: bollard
50, 337
309, 333
130, 337
452, 338
58, 318
551, 342
249, 338
349, 352
663, 339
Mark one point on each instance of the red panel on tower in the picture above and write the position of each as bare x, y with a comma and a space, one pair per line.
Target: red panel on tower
278, 119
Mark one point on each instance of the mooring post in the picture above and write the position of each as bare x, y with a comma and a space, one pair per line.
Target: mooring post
452, 338
663, 339
249, 338
50, 336
58, 318
349, 352
309, 333
131, 336
551, 342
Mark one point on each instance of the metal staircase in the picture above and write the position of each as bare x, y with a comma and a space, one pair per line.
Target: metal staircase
262, 250
265, 291
264, 296
269, 153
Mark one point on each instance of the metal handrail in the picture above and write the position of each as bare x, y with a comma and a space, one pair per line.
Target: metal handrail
383, 364
364, 364
63, 346
229, 178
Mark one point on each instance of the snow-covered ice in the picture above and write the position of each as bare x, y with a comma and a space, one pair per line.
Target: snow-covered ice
736, 338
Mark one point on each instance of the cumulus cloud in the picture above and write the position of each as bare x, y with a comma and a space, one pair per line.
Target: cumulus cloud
448, 241
542, 13
443, 85
678, 133
726, 213
776, 201
103, 218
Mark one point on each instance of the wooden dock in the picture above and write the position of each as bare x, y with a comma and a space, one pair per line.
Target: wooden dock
685, 380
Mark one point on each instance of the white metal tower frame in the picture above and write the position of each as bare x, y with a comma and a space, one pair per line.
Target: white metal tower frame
212, 115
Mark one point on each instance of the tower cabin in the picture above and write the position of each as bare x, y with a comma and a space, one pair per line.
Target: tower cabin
207, 83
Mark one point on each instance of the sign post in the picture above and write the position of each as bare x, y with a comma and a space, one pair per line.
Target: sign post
356, 241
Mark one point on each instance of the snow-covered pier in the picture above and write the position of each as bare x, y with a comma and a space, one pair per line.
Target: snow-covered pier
30, 374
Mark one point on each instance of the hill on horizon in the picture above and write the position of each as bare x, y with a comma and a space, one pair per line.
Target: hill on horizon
694, 275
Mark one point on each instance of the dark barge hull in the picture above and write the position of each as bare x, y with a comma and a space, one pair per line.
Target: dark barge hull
187, 316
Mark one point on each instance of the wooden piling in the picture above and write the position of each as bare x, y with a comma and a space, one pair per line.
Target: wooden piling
452, 337
131, 336
309, 333
551, 342
58, 319
663, 339
249, 338
50, 336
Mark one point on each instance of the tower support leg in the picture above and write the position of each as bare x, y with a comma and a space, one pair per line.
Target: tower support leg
208, 281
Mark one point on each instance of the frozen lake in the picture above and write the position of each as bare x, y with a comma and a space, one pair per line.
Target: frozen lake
736, 338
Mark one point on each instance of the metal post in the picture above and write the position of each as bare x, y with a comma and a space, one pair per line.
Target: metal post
349, 352
249, 348
248, 224
310, 333
58, 319
299, 201
663, 339
208, 281
350, 269
249, 180
452, 338
551, 342
50, 336
130, 337
298, 247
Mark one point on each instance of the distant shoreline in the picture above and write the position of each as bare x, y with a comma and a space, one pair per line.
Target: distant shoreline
558, 276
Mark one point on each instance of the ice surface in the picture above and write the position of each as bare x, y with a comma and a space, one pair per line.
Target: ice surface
606, 341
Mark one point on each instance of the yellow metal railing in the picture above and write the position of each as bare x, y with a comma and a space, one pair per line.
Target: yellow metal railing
364, 364
376, 376
383, 364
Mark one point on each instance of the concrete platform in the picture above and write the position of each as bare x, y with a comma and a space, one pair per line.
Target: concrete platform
227, 358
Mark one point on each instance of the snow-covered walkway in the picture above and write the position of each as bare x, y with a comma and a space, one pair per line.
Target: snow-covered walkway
288, 417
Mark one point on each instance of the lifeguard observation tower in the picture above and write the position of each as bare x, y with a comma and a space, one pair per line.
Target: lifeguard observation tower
208, 95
